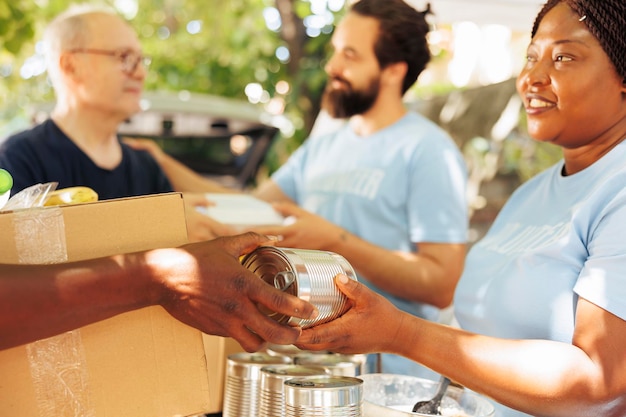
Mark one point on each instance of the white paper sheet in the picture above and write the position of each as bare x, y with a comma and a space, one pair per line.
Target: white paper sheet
241, 210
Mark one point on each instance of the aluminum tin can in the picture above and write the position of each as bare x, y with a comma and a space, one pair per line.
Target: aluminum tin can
337, 364
307, 274
242, 385
273, 377
284, 350
324, 396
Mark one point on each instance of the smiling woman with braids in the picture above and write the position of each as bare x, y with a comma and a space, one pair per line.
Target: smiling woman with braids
542, 300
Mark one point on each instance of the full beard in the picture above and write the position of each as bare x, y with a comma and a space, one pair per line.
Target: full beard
347, 102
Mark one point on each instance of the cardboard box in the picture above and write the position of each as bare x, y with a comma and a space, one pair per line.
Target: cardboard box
141, 363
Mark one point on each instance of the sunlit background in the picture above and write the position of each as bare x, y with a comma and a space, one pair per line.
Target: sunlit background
469, 54
270, 54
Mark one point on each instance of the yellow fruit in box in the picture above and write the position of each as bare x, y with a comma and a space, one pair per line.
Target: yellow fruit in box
71, 195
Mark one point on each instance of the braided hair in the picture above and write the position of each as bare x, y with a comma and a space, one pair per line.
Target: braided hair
605, 19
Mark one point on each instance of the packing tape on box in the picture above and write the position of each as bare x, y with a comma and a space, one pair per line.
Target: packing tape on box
57, 364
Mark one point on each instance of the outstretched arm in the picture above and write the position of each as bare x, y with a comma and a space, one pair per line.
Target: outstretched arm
429, 276
203, 285
545, 378
182, 178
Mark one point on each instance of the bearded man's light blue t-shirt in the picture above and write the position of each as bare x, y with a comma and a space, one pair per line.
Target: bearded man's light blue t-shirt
401, 185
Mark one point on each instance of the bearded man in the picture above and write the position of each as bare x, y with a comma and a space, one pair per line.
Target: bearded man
387, 191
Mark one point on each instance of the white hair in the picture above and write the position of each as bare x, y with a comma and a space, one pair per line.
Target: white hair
68, 31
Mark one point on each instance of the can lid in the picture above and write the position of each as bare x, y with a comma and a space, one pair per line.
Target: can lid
288, 370
6, 181
324, 359
272, 266
323, 391
325, 382
258, 358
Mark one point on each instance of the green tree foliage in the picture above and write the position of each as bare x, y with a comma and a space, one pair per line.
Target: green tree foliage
205, 46
215, 47
16, 24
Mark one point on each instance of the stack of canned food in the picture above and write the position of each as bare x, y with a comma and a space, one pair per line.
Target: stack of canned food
289, 382
265, 385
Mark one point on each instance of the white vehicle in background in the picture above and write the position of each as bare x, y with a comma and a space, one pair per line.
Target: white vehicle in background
222, 138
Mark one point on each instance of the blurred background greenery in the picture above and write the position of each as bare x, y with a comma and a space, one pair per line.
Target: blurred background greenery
272, 53
269, 52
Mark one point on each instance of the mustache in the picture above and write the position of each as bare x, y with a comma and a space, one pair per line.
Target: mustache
338, 79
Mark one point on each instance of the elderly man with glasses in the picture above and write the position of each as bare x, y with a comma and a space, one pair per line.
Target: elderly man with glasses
97, 68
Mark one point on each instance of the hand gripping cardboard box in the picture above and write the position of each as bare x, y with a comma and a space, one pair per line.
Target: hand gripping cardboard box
141, 363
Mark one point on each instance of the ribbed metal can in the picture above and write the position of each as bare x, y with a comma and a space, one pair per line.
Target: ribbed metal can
337, 364
273, 377
324, 396
243, 382
307, 274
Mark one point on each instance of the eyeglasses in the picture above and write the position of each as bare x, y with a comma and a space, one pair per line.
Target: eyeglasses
129, 59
